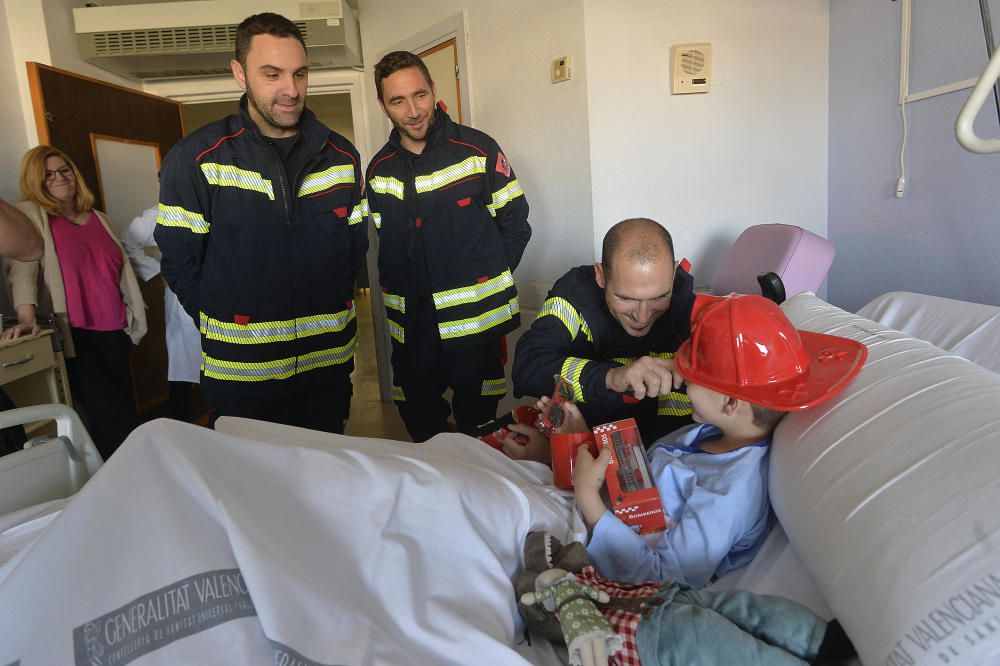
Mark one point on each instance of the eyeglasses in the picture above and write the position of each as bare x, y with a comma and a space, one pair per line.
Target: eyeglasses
65, 172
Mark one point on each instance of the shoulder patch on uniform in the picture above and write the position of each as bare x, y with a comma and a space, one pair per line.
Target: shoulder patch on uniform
503, 166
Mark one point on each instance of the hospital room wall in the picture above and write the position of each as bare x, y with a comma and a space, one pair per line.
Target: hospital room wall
15, 140
941, 237
751, 151
613, 142
34, 31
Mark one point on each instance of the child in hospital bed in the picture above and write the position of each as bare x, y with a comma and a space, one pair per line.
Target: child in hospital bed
745, 366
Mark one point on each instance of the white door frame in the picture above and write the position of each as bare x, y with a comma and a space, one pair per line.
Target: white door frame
453, 27
321, 82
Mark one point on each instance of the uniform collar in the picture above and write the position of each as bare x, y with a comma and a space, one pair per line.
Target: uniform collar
438, 134
313, 132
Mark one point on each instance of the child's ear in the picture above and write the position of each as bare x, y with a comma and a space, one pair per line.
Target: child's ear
732, 405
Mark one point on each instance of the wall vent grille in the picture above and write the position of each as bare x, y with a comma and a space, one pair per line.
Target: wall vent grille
201, 39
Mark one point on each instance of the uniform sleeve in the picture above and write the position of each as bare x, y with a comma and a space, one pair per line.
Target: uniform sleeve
554, 345
183, 226
138, 236
507, 204
358, 220
689, 552
22, 280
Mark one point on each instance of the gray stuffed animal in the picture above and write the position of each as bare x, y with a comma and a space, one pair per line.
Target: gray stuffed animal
542, 552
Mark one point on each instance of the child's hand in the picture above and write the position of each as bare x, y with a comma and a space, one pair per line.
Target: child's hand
573, 420
535, 448
588, 477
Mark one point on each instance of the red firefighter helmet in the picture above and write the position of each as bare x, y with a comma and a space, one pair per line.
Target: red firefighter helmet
745, 347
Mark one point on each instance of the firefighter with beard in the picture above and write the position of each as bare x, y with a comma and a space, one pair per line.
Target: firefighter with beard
261, 232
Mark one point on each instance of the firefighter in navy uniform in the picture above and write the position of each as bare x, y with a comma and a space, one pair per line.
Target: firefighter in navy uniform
261, 230
452, 223
611, 329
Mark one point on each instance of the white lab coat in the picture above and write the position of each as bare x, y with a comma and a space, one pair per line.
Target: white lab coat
183, 338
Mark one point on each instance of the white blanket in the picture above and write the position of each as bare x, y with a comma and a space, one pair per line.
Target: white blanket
192, 546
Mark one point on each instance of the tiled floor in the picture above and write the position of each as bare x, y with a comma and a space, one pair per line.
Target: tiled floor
370, 417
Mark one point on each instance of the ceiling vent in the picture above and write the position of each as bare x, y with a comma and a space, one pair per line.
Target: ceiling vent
168, 40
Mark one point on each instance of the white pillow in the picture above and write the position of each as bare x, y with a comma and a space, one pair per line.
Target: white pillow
889, 493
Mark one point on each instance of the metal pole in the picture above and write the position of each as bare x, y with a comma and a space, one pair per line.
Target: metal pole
984, 11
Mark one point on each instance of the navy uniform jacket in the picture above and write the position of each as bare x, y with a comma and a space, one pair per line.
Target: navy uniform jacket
452, 225
262, 257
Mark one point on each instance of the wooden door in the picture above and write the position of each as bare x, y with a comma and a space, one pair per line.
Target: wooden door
69, 110
442, 63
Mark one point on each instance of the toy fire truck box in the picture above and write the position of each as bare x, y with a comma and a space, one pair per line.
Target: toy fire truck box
634, 498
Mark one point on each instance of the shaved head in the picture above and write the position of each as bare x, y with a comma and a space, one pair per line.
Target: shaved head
638, 240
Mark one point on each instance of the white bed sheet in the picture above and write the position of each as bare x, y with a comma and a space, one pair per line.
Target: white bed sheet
969, 330
20, 528
166, 543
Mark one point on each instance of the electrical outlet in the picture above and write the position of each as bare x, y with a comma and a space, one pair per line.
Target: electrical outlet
562, 69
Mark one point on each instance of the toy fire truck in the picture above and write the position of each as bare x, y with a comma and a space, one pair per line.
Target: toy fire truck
634, 497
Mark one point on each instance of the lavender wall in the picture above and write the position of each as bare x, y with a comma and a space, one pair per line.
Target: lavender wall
943, 236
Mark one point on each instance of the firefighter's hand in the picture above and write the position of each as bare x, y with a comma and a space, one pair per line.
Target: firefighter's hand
533, 445
646, 377
588, 477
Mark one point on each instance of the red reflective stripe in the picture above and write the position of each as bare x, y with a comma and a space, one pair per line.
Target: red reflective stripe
372, 169
477, 148
231, 136
330, 143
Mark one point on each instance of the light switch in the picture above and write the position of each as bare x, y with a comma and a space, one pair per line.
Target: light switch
561, 69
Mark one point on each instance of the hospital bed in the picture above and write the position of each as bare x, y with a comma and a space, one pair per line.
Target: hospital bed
261, 543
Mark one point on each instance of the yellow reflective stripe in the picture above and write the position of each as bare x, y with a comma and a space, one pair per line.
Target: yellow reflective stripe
323, 180
225, 175
434, 181
394, 302
326, 357
673, 404
377, 219
505, 195
484, 322
625, 360
572, 369
175, 216
494, 386
279, 369
564, 311
274, 331
397, 394
359, 213
473, 293
387, 185
396, 331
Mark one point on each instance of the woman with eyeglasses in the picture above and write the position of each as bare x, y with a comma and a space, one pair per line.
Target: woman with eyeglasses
84, 279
